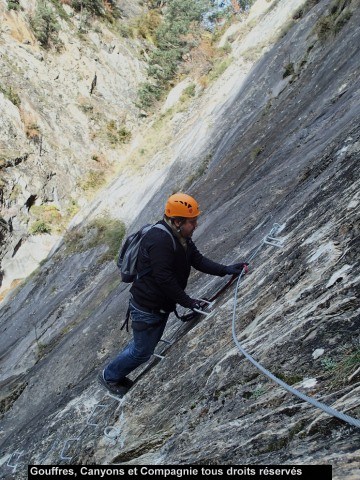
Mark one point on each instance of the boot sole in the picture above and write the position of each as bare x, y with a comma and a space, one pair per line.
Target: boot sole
119, 391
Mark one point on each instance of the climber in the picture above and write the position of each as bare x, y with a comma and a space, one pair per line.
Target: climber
154, 295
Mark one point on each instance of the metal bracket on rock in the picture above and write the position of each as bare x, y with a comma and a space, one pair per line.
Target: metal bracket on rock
112, 433
17, 455
208, 305
62, 456
271, 240
167, 343
119, 399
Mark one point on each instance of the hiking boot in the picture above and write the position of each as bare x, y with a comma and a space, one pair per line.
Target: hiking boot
126, 382
117, 388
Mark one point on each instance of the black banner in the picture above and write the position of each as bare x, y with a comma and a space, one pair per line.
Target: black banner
174, 472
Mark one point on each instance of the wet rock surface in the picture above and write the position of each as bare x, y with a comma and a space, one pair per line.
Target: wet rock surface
288, 155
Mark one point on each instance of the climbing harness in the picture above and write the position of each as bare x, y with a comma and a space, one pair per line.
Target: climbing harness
270, 240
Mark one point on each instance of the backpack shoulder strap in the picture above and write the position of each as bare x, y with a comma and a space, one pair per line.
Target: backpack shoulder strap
164, 229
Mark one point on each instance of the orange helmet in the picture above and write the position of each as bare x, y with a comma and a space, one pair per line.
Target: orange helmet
181, 205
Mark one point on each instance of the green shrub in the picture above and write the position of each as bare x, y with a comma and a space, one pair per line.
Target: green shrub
330, 24
93, 6
11, 95
346, 366
13, 5
188, 92
109, 232
117, 134
39, 227
226, 49
255, 152
148, 94
147, 25
45, 25
125, 31
328, 363
47, 219
72, 208
174, 37
245, 4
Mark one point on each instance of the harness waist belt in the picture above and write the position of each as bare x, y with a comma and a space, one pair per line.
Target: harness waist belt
146, 309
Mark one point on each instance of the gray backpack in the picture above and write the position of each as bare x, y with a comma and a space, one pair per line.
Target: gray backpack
128, 253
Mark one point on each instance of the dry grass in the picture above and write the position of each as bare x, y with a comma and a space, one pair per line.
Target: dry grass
19, 30
31, 125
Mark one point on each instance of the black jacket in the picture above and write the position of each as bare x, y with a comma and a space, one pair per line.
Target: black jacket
164, 286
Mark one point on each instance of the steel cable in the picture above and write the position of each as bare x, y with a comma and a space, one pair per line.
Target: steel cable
331, 411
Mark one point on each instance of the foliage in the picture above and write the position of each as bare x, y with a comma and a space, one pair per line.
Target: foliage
338, 15
328, 363
112, 9
255, 152
32, 131
13, 4
59, 8
346, 366
47, 217
103, 230
125, 31
39, 227
93, 6
188, 92
45, 25
93, 180
117, 134
72, 208
245, 5
289, 70
11, 95
109, 232
147, 25
174, 37
219, 67
148, 93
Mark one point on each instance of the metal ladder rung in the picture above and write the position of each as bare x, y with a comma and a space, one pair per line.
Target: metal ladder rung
17, 459
158, 356
197, 310
62, 457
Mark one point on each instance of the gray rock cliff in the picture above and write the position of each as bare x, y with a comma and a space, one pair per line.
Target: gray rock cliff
282, 145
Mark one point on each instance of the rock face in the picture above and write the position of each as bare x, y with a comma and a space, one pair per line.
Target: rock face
61, 111
285, 149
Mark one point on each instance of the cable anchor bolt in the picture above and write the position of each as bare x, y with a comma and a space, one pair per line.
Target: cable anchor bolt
275, 242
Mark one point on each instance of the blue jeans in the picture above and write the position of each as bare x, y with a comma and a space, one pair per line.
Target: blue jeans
147, 331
